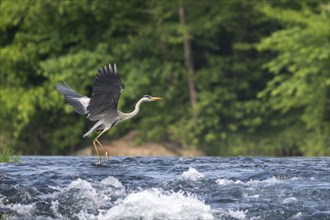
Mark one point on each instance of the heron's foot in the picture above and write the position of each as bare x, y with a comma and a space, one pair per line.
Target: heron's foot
106, 155
98, 160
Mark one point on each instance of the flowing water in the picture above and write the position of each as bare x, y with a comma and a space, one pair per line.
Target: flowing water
165, 188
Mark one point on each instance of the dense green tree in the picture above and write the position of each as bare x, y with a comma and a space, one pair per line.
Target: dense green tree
260, 72
44, 42
300, 87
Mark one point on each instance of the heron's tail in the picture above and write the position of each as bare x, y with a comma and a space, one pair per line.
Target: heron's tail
79, 102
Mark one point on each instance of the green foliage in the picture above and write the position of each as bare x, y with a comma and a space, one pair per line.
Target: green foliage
300, 86
7, 155
261, 73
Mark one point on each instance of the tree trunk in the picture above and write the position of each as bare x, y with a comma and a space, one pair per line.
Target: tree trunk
188, 61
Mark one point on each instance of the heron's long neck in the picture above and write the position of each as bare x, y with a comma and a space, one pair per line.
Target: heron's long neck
136, 110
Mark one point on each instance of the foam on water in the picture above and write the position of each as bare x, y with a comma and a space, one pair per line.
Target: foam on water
170, 188
112, 181
85, 199
158, 204
233, 214
224, 182
54, 209
93, 200
237, 214
296, 216
80, 184
192, 174
268, 181
21, 209
289, 200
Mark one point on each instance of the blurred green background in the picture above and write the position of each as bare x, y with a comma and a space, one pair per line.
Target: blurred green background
237, 77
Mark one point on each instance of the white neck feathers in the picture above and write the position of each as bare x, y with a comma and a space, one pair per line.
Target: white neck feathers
136, 110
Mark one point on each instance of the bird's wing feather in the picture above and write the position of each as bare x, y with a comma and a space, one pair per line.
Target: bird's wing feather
106, 92
79, 102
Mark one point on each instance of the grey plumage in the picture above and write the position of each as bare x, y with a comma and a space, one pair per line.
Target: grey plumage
74, 98
103, 104
106, 92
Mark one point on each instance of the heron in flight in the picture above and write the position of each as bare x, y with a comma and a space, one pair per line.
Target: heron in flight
102, 106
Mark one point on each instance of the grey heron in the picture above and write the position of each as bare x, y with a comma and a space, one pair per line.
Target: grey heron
102, 106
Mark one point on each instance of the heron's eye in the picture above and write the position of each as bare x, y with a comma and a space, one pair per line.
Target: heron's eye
147, 96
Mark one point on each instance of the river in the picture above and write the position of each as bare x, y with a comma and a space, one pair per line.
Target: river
62, 187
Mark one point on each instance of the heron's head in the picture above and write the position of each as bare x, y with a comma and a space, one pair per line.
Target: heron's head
148, 98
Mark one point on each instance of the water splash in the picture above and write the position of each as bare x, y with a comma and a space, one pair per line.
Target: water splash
165, 188
158, 204
192, 174
268, 181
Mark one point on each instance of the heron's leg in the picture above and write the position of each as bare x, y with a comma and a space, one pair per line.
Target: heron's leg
106, 152
97, 140
98, 154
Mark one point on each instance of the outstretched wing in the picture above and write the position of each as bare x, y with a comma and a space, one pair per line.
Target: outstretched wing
79, 102
106, 92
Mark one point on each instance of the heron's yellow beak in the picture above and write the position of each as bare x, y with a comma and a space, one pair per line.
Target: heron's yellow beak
156, 98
